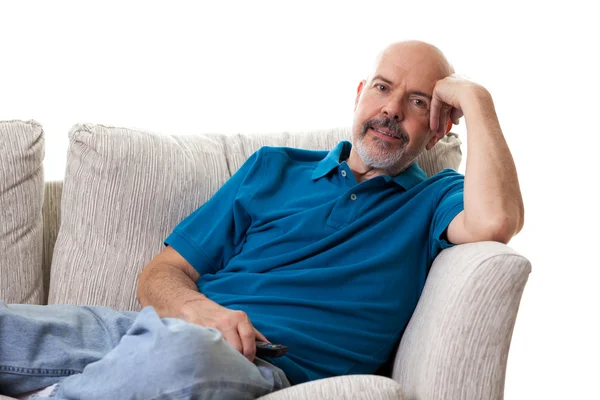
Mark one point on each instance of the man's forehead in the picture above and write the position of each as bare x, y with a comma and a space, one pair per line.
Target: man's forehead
407, 75
414, 68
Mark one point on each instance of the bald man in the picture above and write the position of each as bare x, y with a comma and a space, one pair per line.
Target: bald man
325, 252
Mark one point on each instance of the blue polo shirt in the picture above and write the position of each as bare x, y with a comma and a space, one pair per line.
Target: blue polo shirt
325, 265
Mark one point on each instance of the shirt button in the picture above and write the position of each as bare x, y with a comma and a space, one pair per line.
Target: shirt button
343, 173
353, 196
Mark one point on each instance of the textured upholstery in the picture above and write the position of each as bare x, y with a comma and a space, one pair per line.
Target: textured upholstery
123, 193
456, 344
51, 214
21, 197
350, 387
125, 190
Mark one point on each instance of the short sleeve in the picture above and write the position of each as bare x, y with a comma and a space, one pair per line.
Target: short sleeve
214, 233
450, 202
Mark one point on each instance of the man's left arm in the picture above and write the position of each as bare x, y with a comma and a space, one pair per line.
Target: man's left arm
493, 206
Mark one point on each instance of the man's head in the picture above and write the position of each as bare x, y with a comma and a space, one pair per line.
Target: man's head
391, 115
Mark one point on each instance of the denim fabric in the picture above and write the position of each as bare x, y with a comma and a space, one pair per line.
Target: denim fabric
100, 353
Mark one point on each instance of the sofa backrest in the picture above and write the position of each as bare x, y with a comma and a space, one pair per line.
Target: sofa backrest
125, 190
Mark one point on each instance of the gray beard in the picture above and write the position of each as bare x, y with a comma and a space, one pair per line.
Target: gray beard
379, 156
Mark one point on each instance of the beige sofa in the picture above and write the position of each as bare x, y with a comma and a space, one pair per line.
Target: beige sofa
84, 241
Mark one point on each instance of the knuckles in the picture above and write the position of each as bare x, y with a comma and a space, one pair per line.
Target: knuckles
240, 315
231, 319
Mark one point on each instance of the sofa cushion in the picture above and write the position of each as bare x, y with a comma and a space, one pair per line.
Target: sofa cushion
348, 387
125, 190
21, 199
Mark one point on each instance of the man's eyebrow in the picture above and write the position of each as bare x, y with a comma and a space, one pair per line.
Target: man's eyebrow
419, 93
387, 81
381, 78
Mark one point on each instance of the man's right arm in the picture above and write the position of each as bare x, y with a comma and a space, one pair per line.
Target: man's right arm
168, 283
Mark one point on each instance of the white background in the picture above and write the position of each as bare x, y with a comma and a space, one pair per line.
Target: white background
184, 68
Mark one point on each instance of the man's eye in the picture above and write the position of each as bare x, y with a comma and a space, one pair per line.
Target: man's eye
382, 88
420, 103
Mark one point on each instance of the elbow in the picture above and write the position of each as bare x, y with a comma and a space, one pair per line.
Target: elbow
496, 229
504, 228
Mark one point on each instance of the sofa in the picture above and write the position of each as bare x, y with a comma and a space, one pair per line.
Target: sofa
84, 240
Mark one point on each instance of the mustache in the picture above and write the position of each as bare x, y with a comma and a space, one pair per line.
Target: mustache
385, 122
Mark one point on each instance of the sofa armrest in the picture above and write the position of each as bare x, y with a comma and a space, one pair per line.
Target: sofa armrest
456, 343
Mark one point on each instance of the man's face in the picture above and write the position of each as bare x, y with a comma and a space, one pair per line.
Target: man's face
391, 117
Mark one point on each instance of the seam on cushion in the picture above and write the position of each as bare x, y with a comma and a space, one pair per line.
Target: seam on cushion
201, 251
19, 182
38, 139
31, 150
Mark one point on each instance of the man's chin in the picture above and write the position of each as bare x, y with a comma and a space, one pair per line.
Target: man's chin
387, 162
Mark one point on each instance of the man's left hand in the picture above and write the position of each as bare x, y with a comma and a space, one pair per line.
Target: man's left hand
448, 95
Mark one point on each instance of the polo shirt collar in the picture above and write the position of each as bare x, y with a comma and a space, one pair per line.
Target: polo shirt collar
410, 177
341, 152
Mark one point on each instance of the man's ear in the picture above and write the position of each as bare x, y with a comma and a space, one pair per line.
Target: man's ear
359, 89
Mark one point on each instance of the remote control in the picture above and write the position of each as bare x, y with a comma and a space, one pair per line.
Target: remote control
264, 349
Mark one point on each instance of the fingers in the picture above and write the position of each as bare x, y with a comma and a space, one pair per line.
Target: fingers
248, 338
440, 113
434, 114
456, 115
260, 336
232, 337
443, 121
235, 327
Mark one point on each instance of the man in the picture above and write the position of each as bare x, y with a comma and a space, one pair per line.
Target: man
324, 252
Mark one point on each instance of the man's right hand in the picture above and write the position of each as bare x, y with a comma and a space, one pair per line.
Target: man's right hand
235, 326
168, 283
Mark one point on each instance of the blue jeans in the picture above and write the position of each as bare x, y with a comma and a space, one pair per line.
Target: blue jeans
100, 353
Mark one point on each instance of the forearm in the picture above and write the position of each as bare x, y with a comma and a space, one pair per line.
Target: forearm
167, 289
492, 197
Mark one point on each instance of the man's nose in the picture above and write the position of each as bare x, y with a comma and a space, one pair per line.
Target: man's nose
393, 109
